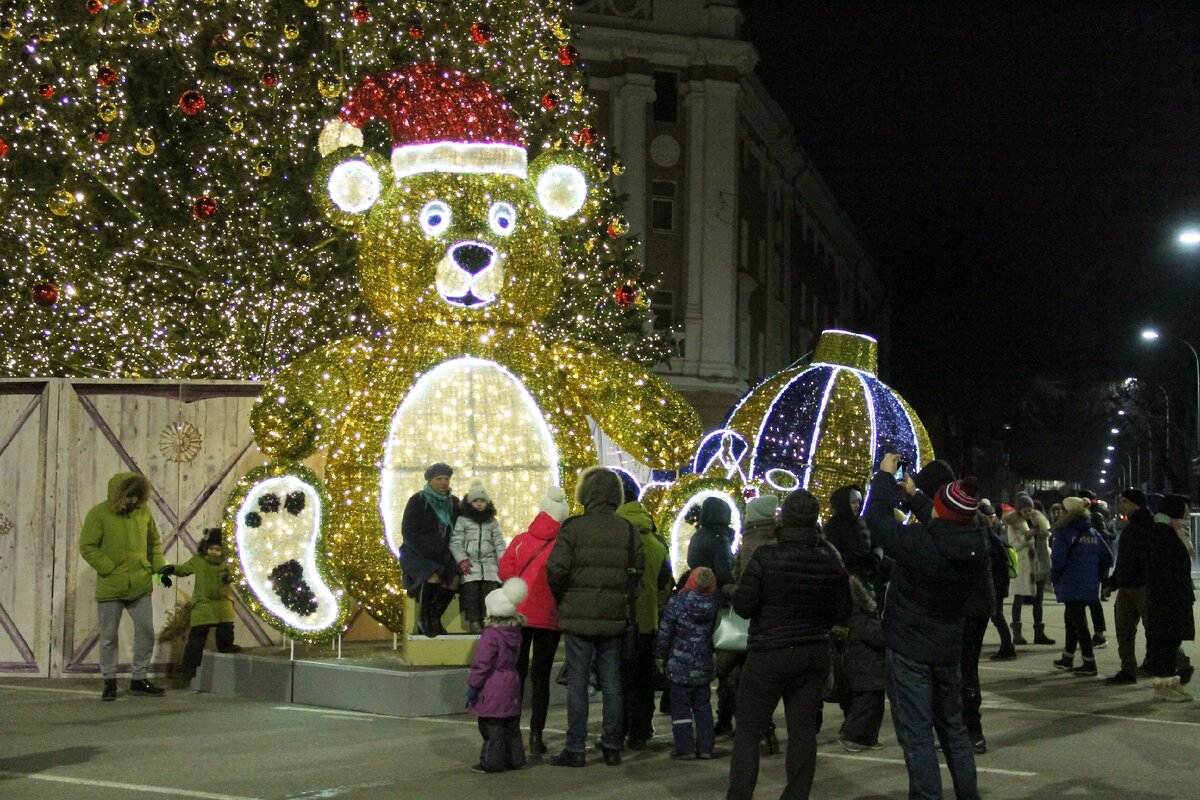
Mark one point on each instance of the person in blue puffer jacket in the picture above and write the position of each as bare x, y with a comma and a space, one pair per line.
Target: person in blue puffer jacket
1079, 563
685, 643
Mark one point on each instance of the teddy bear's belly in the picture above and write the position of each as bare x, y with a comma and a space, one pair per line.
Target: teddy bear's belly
480, 419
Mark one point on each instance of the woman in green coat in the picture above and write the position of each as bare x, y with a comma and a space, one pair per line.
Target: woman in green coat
121, 542
212, 606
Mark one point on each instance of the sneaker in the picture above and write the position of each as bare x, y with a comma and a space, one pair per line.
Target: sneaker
1086, 670
704, 756
873, 746
849, 746
1004, 655
682, 756
612, 758
110, 690
478, 768
979, 746
1099, 642
568, 758
1122, 678
1066, 663
146, 689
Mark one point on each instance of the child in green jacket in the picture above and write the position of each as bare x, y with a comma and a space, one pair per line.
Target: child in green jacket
211, 603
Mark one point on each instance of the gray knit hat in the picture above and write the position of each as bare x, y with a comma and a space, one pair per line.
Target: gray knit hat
761, 508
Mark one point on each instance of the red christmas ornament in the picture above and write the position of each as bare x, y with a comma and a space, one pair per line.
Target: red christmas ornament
3, 149
94, 6
44, 293
750, 492
100, 135
567, 55
204, 207
585, 138
626, 295
550, 101
416, 31
482, 34
616, 228
269, 79
45, 91
362, 13
106, 75
191, 102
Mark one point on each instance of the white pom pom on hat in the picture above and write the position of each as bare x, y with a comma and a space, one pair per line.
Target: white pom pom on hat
503, 602
554, 503
477, 491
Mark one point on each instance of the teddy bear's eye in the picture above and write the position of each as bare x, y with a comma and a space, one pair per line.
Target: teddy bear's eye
502, 218
435, 218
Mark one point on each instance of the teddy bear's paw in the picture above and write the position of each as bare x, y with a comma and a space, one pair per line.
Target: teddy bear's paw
278, 523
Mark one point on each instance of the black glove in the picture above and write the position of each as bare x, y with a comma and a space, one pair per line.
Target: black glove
472, 696
165, 574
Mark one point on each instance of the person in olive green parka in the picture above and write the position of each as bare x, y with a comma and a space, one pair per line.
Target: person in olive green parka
212, 605
121, 542
637, 676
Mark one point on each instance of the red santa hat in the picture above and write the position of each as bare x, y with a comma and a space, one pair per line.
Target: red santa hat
442, 120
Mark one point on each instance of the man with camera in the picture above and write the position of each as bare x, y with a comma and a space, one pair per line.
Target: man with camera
938, 561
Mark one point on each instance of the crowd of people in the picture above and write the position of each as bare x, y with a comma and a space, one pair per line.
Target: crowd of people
892, 599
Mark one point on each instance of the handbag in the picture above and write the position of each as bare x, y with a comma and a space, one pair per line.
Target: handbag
629, 639
731, 631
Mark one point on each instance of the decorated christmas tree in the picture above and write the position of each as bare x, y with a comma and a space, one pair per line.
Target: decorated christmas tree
156, 162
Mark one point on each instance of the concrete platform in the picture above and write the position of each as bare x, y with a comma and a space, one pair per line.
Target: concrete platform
367, 677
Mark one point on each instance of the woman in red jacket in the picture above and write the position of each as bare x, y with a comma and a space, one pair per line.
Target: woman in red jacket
526, 558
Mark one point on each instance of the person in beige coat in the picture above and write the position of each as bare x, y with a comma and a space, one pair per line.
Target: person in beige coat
1029, 535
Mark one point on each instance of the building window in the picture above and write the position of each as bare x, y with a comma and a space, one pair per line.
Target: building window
662, 310
666, 97
662, 209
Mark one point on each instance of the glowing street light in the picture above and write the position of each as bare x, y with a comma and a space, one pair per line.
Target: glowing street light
1121, 413
1111, 447
1103, 481
1115, 431
1189, 237
1149, 334
1108, 461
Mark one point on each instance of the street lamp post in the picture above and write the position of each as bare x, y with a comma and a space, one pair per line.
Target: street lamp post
1150, 335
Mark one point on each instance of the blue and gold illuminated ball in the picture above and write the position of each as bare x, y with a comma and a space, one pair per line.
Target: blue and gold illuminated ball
827, 425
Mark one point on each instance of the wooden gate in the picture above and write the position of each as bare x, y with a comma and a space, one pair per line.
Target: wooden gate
60, 442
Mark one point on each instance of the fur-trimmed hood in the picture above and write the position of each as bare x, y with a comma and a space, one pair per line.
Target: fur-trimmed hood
123, 487
1037, 521
515, 621
599, 487
1070, 515
467, 510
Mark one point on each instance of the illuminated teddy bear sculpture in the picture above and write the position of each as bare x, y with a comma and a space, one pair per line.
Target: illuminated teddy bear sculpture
459, 257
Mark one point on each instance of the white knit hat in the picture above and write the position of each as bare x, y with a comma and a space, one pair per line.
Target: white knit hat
503, 602
554, 503
477, 492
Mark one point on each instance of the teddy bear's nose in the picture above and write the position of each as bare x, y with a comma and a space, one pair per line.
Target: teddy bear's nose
472, 258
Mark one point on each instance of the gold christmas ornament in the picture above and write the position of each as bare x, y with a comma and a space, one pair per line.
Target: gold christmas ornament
107, 111
577, 96
144, 145
303, 277
252, 39
37, 247
235, 122
262, 167
560, 32
145, 21
329, 86
26, 120
618, 168
222, 58
61, 203
204, 293
312, 3
291, 32
8, 28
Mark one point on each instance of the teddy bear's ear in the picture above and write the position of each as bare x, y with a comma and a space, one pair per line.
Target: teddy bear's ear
565, 184
348, 182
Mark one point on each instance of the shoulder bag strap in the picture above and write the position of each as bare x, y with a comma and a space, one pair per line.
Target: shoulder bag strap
533, 557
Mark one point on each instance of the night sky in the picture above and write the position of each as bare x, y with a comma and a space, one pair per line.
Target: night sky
1019, 176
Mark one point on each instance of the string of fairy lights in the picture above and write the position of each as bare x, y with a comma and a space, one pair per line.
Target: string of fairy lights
156, 166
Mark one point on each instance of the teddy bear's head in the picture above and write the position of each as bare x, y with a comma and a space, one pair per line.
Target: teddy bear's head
458, 226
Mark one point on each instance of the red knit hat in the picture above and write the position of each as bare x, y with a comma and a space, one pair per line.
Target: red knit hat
701, 579
442, 120
958, 501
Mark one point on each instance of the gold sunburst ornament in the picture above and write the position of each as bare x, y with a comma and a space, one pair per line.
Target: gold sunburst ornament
180, 442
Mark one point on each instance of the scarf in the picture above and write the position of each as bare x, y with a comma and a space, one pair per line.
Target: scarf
441, 505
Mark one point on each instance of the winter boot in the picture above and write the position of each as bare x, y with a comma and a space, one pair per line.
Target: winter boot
145, 688
1066, 663
536, 746
1169, 689
442, 601
110, 689
1040, 637
1004, 654
1016, 634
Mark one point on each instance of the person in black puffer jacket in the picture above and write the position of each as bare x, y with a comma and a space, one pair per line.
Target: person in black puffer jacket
792, 592
712, 544
847, 531
937, 565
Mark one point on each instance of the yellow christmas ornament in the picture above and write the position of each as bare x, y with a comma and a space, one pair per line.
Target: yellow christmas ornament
251, 39
235, 122
107, 111
291, 32
8, 28
329, 86
37, 247
145, 22
618, 168
312, 3
61, 203
222, 58
458, 241
303, 277
204, 293
26, 120
577, 96
144, 144
262, 167
560, 32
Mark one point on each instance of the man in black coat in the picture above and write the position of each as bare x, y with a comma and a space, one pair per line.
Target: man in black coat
1129, 581
937, 565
